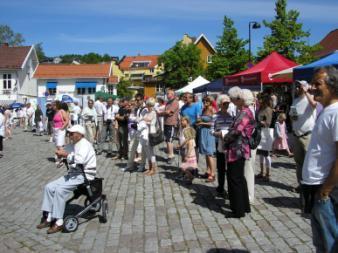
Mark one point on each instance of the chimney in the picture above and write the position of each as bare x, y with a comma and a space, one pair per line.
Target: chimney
4, 44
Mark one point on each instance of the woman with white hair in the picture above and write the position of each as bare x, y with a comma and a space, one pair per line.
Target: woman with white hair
238, 150
147, 125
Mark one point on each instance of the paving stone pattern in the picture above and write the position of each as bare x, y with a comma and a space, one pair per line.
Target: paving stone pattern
147, 214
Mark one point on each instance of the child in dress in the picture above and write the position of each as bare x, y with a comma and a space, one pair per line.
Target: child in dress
187, 145
281, 139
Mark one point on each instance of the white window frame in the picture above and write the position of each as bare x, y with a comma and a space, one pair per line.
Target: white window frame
209, 58
7, 81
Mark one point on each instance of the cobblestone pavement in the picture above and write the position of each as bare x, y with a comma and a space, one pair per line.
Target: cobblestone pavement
147, 214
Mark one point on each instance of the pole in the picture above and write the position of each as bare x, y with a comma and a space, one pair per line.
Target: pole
249, 42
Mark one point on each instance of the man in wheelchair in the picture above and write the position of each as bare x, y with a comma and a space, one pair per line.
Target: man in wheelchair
79, 153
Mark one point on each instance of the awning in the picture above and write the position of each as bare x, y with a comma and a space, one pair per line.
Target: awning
85, 85
51, 85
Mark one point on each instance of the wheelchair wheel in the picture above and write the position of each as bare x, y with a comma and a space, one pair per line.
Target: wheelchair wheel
103, 217
94, 208
70, 224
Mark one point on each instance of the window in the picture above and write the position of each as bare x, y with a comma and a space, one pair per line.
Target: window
152, 70
81, 91
159, 88
140, 64
111, 89
209, 59
91, 90
51, 91
7, 81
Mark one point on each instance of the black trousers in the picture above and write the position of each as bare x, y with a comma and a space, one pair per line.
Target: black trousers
221, 167
307, 196
237, 188
123, 141
1, 143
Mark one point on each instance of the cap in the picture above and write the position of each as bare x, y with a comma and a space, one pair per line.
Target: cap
302, 82
77, 129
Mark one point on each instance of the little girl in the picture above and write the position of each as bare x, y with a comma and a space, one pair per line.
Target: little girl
187, 145
281, 142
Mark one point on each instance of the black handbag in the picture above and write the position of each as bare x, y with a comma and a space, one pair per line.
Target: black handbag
156, 138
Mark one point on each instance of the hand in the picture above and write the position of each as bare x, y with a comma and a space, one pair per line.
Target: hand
61, 153
323, 193
177, 147
217, 134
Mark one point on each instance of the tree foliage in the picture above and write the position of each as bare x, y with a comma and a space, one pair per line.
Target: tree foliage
287, 36
181, 63
89, 58
123, 90
230, 56
7, 35
39, 52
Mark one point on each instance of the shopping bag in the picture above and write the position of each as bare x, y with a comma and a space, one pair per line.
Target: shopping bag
267, 139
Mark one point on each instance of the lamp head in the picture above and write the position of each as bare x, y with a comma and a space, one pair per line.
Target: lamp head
256, 25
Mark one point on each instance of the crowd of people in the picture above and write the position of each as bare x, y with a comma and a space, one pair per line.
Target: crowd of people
221, 128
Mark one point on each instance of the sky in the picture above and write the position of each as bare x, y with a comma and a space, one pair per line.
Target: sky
131, 27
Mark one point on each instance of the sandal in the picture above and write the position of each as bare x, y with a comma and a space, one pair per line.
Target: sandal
259, 176
210, 179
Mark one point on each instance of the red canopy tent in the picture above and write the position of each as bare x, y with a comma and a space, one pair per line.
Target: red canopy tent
260, 73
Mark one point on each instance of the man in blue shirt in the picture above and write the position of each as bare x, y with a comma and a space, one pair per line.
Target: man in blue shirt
190, 109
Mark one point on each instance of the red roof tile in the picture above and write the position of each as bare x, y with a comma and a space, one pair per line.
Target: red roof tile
329, 44
13, 57
127, 61
62, 71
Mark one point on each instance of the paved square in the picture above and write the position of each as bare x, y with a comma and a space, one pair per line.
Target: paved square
147, 214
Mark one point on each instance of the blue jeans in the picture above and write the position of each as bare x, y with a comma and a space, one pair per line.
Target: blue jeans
324, 225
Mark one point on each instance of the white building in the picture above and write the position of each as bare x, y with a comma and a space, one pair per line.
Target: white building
78, 81
17, 67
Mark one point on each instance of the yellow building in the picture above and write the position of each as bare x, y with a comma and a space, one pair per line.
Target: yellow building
207, 49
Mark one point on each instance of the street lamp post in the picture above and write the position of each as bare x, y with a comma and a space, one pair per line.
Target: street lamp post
255, 25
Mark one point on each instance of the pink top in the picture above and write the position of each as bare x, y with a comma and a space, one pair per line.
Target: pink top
57, 120
241, 131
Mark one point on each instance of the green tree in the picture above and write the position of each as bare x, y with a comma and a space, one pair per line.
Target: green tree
39, 52
123, 90
287, 36
69, 58
230, 56
7, 35
181, 62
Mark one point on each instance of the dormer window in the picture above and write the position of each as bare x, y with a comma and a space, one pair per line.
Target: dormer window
140, 64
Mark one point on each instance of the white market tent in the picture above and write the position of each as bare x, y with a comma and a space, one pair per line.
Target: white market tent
285, 73
199, 81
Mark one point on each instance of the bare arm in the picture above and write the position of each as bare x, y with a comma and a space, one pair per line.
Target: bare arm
332, 180
311, 100
65, 119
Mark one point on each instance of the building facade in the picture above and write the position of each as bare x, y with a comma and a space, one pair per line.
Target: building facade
17, 67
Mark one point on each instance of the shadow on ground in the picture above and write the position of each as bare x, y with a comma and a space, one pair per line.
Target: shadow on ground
274, 184
217, 250
288, 202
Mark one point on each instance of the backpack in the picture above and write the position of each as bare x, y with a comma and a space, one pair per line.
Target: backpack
256, 136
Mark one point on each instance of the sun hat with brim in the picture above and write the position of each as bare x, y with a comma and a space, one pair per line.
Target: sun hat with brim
77, 129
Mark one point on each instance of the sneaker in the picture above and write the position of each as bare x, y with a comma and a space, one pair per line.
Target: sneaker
137, 159
126, 169
170, 160
116, 157
50, 139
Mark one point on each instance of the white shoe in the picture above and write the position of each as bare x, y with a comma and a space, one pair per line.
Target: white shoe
50, 139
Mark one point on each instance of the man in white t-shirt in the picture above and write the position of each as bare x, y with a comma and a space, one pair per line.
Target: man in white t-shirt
303, 115
100, 112
76, 112
320, 168
110, 126
29, 117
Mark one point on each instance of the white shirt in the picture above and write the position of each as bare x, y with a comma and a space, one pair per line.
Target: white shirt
321, 154
306, 115
89, 114
30, 111
2, 125
232, 110
100, 108
82, 153
111, 112
76, 112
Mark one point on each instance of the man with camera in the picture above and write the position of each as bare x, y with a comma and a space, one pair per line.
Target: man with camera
303, 115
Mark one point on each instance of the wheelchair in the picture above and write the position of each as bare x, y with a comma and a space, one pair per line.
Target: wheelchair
94, 202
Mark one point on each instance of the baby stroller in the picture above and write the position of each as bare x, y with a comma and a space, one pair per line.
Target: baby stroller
95, 202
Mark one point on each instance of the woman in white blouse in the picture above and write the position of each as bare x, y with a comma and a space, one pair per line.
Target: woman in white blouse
148, 125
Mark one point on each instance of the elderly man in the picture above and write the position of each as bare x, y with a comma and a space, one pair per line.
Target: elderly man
89, 117
79, 154
320, 168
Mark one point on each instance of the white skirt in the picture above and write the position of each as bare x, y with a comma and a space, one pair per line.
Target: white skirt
59, 137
